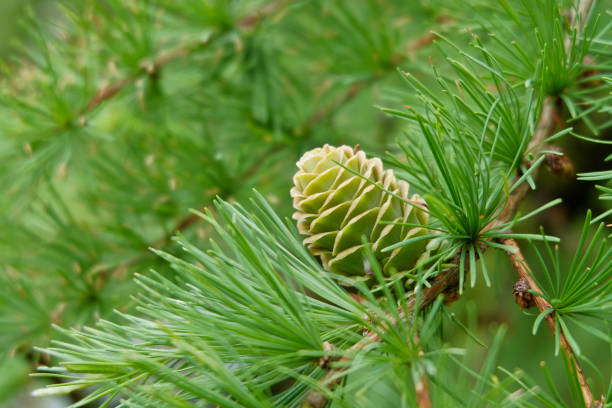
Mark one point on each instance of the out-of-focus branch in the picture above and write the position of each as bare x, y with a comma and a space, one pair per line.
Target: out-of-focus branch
524, 272
149, 68
321, 114
428, 38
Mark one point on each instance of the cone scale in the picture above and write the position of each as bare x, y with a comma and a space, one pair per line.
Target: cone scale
335, 208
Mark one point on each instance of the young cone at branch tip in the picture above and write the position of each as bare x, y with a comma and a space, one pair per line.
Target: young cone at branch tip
335, 208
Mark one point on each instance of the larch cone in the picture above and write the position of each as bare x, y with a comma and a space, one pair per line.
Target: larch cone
336, 207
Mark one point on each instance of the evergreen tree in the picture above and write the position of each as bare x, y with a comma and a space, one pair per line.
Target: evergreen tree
138, 268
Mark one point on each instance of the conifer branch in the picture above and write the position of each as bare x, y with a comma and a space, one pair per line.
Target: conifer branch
522, 268
546, 123
544, 129
449, 279
445, 282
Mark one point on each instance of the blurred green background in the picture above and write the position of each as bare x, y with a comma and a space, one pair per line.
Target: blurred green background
217, 121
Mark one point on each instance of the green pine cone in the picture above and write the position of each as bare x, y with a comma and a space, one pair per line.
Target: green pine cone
335, 208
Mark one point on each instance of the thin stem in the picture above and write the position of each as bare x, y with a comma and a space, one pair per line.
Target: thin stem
422, 391
422, 386
524, 272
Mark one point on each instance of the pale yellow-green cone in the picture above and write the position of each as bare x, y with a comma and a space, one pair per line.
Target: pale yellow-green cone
335, 208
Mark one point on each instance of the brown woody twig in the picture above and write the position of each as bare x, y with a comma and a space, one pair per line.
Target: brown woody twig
422, 392
522, 269
422, 386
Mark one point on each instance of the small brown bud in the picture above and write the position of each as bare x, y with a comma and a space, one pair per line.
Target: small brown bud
522, 295
559, 164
